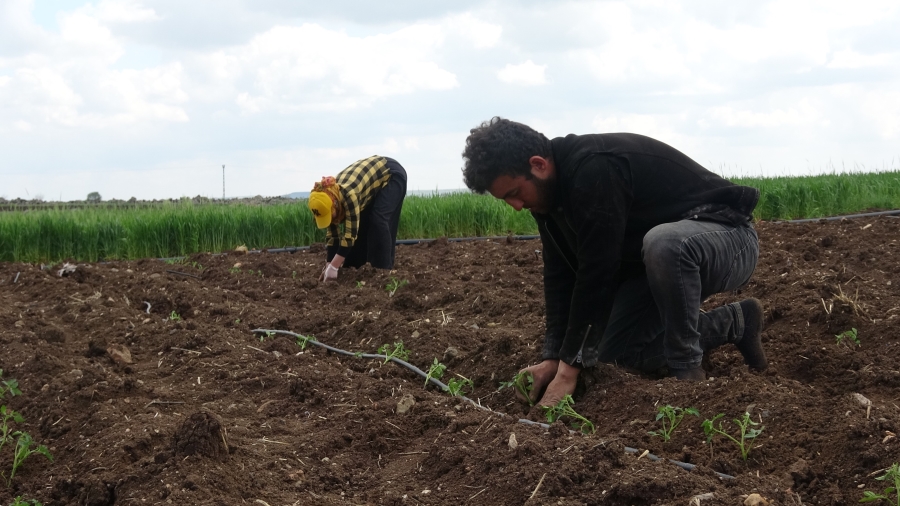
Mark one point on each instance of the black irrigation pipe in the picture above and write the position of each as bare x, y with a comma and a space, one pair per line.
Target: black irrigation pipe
844, 217
444, 387
407, 242
294, 249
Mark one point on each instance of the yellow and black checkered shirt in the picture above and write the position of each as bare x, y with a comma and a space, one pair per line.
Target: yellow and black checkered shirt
359, 184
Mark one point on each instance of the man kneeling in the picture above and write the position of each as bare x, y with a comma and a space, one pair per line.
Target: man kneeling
635, 237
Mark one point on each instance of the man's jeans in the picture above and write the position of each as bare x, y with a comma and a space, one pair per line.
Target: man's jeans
656, 319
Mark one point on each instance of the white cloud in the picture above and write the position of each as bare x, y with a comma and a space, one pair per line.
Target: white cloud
123, 11
658, 126
849, 59
308, 67
297, 86
525, 74
881, 107
480, 33
803, 114
73, 83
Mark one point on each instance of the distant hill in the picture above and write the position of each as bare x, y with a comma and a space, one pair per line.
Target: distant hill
418, 193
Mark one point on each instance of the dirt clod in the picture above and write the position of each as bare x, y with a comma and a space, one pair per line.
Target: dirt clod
201, 434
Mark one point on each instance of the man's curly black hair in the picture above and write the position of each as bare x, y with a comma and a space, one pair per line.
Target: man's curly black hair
501, 147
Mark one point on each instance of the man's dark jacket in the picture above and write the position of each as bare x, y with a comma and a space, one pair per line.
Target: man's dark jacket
611, 190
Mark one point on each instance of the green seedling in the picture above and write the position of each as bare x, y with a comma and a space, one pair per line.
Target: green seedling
18, 501
358, 354
302, 341
174, 316
360, 284
891, 494
456, 385
293, 274
10, 387
399, 351
7, 418
436, 371
564, 409
268, 334
23, 440
523, 382
670, 417
393, 285
848, 335
237, 321
24, 449
748, 432
234, 270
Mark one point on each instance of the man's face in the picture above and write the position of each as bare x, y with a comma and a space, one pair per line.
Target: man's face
535, 194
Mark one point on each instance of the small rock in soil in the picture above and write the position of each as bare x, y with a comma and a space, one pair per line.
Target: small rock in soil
450, 353
860, 398
755, 500
405, 404
119, 354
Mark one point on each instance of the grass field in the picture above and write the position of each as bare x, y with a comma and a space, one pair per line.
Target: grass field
181, 228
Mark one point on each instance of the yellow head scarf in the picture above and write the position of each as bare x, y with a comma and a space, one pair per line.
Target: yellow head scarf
323, 197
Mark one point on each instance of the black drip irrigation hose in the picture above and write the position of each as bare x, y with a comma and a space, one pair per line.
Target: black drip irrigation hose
844, 217
444, 387
408, 242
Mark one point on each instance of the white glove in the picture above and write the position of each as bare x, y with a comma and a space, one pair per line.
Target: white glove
330, 273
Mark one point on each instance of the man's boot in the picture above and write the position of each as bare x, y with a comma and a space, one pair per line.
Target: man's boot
750, 344
692, 374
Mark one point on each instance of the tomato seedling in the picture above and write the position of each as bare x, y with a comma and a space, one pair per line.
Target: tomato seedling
399, 351
455, 385
748, 432
523, 382
436, 371
393, 285
564, 409
7, 418
302, 341
850, 335
24, 443
671, 416
18, 501
23, 440
10, 386
892, 492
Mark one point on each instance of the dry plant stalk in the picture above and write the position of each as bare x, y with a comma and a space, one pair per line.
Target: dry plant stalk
852, 302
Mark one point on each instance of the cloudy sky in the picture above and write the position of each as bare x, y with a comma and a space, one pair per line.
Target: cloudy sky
149, 98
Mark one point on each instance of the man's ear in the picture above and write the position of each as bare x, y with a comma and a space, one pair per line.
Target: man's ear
541, 168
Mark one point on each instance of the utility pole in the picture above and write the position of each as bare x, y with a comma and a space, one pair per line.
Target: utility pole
223, 182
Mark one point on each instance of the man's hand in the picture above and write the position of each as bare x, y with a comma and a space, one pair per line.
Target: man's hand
543, 374
563, 384
329, 273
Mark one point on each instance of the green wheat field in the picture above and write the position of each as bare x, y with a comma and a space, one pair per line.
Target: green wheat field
172, 229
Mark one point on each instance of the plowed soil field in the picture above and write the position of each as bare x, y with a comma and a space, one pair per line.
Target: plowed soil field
148, 385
